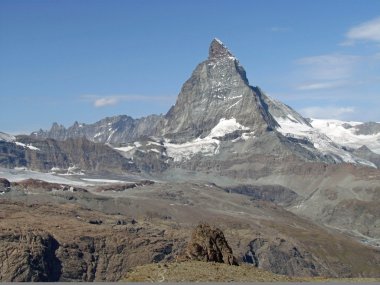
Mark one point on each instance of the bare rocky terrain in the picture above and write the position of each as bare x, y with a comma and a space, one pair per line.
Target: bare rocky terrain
98, 235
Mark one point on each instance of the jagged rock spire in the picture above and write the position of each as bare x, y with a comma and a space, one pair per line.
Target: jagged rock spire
218, 49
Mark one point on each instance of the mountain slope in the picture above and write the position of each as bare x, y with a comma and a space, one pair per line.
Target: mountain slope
115, 130
350, 134
70, 156
218, 89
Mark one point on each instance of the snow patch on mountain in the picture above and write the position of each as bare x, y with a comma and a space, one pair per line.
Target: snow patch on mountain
291, 127
125, 148
19, 174
340, 132
208, 145
225, 127
29, 146
6, 137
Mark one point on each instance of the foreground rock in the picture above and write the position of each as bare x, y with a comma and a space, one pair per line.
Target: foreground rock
58, 243
209, 244
283, 257
28, 256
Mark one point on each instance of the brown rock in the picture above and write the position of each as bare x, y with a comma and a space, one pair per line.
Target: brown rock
28, 256
209, 244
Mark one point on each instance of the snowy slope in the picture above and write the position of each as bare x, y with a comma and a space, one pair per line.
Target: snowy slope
345, 133
291, 127
206, 146
6, 137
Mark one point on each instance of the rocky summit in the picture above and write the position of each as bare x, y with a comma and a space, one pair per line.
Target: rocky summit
294, 196
218, 89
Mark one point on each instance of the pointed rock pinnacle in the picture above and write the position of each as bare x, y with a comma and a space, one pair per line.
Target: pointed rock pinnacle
218, 49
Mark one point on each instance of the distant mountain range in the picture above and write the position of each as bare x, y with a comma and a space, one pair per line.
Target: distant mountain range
225, 131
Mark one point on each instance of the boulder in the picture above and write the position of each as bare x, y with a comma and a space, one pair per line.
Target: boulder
209, 244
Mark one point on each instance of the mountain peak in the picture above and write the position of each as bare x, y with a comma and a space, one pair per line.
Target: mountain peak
218, 49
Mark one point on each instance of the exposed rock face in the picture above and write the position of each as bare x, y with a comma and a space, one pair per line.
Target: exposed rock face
73, 248
282, 257
209, 244
12, 155
273, 193
29, 257
365, 153
79, 153
115, 130
217, 89
368, 128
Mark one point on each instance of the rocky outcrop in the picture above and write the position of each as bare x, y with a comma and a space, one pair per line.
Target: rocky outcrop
75, 244
273, 193
45, 155
368, 128
209, 244
283, 257
28, 256
114, 130
12, 155
365, 153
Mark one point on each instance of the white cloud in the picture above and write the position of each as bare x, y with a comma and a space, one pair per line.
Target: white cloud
367, 31
321, 85
110, 100
327, 112
329, 66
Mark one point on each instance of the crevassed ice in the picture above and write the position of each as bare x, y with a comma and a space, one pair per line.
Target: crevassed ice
336, 132
293, 128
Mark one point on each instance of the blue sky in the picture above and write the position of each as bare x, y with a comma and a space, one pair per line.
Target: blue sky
68, 60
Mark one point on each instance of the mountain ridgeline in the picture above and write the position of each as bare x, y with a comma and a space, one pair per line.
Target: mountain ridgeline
226, 152
218, 88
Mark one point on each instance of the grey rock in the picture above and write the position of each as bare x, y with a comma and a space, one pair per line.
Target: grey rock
368, 128
115, 130
81, 153
273, 193
283, 257
218, 88
365, 153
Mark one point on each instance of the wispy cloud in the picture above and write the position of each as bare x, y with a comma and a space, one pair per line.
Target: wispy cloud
279, 29
367, 31
107, 101
321, 85
99, 101
329, 66
327, 71
327, 112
